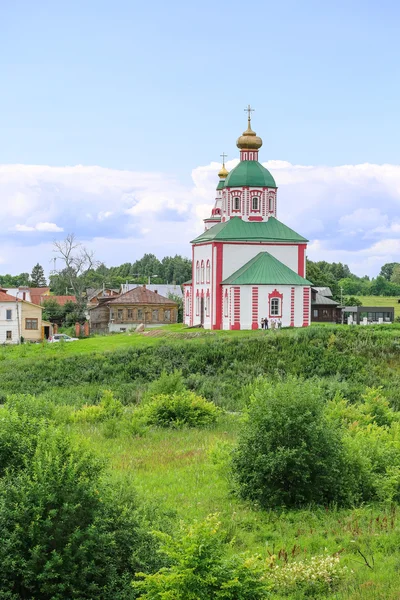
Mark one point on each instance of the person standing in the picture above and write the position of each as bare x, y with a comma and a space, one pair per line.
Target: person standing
262, 323
266, 323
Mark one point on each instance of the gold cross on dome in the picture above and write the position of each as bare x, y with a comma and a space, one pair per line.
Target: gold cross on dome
223, 156
249, 110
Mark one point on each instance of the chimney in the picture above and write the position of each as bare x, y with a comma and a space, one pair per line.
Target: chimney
156, 291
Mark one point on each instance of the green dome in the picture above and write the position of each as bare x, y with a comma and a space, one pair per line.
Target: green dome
250, 173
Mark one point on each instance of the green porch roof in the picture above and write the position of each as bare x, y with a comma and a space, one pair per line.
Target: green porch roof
250, 173
265, 269
235, 229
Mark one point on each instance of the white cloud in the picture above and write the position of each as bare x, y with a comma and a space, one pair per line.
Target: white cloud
349, 212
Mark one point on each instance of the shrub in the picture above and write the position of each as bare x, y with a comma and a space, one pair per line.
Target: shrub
167, 383
314, 577
200, 569
18, 439
180, 409
63, 534
108, 408
289, 453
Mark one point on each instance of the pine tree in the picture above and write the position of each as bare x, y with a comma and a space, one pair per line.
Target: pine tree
37, 276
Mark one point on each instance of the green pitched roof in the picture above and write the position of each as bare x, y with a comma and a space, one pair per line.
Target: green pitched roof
251, 173
235, 229
221, 184
265, 269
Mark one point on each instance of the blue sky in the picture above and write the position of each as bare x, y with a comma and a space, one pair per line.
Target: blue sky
158, 90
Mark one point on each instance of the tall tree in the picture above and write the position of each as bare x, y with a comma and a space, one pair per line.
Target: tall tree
387, 270
77, 263
37, 276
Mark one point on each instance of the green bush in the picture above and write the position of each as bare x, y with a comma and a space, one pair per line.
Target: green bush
109, 408
289, 453
63, 534
18, 439
200, 568
179, 410
167, 383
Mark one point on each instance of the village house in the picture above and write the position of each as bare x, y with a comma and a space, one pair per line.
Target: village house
21, 320
125, 312
323, 308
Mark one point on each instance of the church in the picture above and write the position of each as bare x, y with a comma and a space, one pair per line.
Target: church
247, 265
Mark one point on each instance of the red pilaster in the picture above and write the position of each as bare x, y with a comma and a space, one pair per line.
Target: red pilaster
306, 306
236, 308
254, 307
301, 259
218, 280
292, 292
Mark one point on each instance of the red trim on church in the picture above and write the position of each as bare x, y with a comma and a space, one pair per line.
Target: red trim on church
255, 218
292, 293
254, 307
218, 280
301, 263
306, 307
236, 308
271, 296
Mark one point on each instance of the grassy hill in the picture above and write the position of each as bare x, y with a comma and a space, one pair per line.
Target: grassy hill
382, 301
184, 473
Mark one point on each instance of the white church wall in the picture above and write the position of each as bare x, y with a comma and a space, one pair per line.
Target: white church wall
202, 253
237, 255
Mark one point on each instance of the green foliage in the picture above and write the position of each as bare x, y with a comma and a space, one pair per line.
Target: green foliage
108, 408
289, 453
167, 383
37, 277
63, 534
201, 570
18, 438
184, 409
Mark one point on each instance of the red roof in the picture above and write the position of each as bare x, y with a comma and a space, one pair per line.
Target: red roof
4, 297
61, 300
141, 295
37, 293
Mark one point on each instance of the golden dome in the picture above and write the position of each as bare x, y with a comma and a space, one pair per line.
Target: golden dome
249, 140
223, 173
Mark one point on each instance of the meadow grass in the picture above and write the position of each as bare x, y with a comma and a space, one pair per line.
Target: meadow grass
185, 472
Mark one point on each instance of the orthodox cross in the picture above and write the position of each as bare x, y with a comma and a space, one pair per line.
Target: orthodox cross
249, 110
224, 156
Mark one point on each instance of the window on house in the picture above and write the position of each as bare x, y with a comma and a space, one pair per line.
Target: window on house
120, 313
208, 269
154, 315
31, 324
236, 204
197, 305
315, 313
197, 272
9, 315
9, 335
271, 204
140, 314
325, 312
254, 203
202, 271
167, 315
111, 314
226, 305
275, 307
130, 313
208, 306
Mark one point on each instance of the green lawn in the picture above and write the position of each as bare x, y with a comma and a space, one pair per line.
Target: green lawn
382, 301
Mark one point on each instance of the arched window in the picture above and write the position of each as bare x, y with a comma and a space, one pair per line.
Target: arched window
202, 271
275, 307
187, 304
236, 203
226, 304
271, 204
197, 303
208, 304
197, 272
254, 203
208, 272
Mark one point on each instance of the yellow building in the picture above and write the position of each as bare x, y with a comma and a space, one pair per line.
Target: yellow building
33, 328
